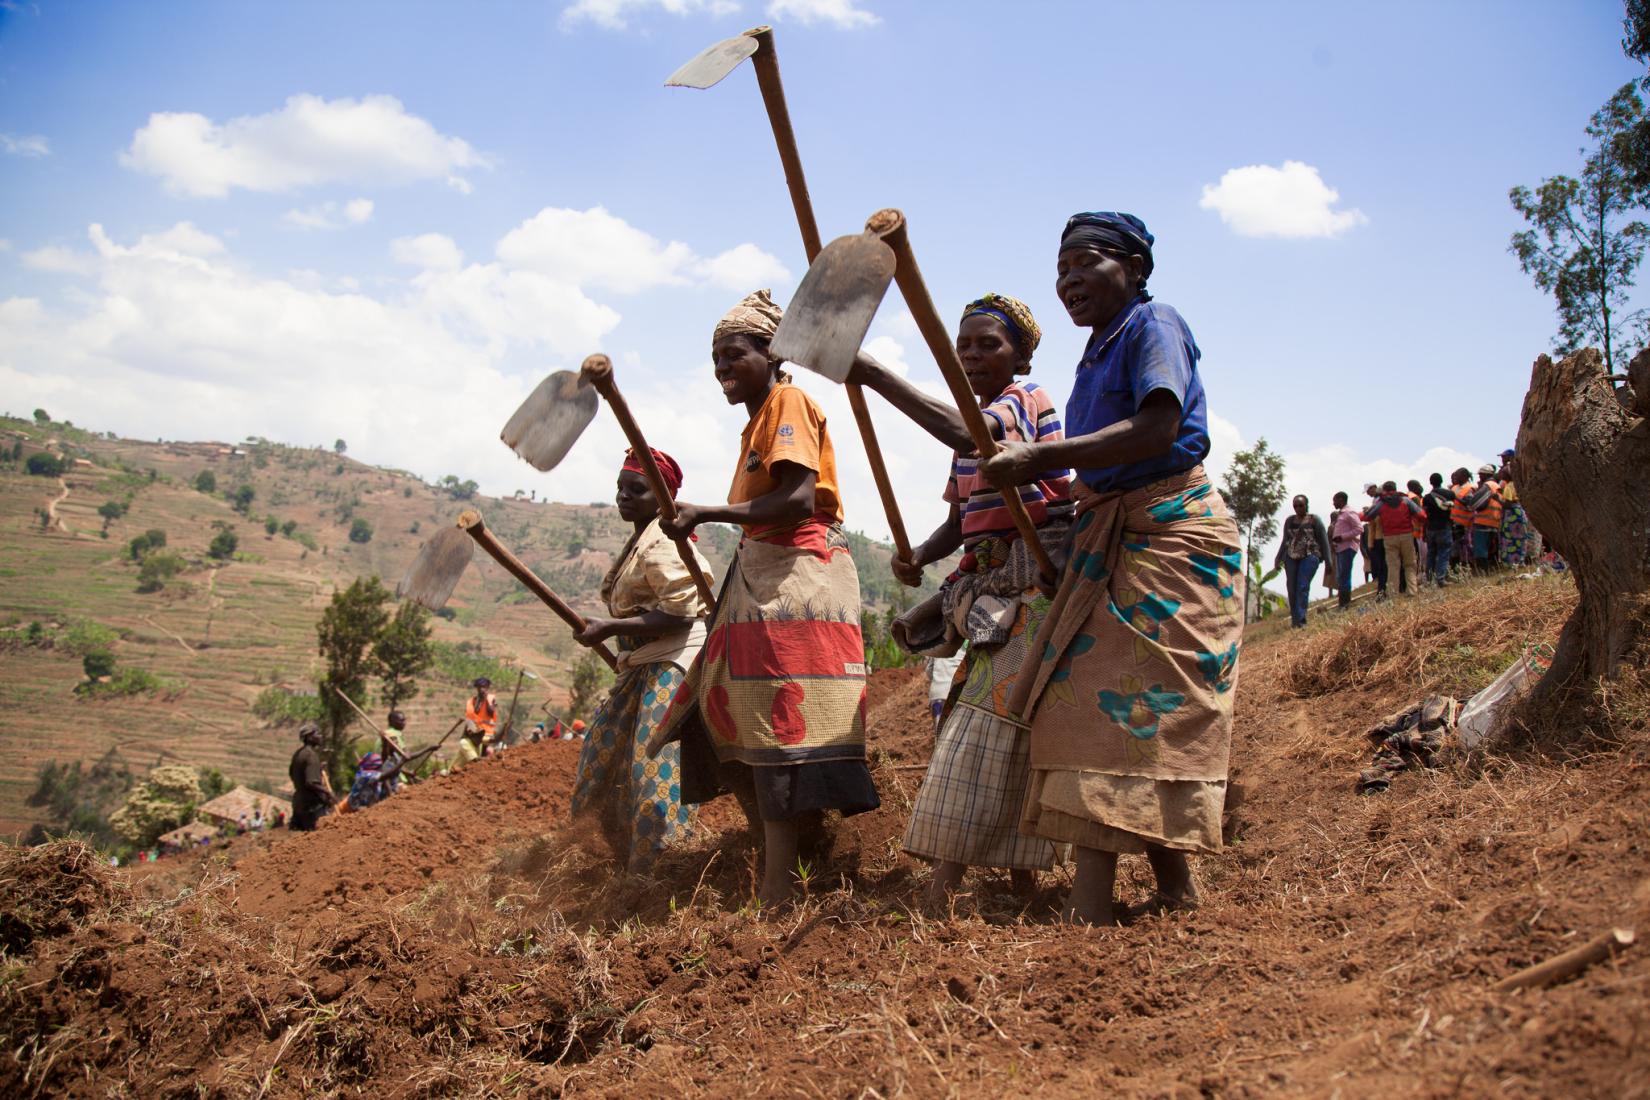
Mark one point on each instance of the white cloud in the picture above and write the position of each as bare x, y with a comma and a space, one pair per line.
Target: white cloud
308, 141
331, 215
176, 337
1293, 201
597, 249
25, 145
842, 14
615, 14
59, 260
743, 267
427, 250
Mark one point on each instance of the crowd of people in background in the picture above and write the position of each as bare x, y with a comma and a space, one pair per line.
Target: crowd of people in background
1411, 537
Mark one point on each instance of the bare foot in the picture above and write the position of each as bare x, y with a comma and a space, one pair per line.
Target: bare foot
1101, 918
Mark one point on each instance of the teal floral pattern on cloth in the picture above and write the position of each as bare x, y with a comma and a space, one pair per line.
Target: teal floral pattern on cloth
1139, 654
638, 800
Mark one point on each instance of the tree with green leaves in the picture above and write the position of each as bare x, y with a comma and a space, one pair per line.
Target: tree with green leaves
241, 498
112, 510
206, 482
339, 446
360, 530
402, 653
224, 543
42, 464
1583, 247
346, 634
1253, 489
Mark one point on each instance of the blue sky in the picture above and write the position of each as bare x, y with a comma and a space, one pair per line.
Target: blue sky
386, 221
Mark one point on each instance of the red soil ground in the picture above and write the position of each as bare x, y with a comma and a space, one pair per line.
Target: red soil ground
462, 940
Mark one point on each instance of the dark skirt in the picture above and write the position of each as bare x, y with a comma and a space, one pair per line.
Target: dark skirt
781, 792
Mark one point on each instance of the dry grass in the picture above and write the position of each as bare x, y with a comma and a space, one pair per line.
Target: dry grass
1427, 644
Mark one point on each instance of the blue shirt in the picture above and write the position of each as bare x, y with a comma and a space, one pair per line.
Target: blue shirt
1146, 348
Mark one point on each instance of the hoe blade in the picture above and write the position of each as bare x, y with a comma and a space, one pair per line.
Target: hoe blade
436, 571
826, 321
551, 420
713, 63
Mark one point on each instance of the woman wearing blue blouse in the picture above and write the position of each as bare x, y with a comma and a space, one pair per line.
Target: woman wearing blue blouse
1130, 708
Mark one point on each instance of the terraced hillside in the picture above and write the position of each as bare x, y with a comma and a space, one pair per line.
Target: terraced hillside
221, 632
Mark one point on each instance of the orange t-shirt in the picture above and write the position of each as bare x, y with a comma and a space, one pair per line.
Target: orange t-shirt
787, 428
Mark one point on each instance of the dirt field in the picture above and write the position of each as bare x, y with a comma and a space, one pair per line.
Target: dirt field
459, 940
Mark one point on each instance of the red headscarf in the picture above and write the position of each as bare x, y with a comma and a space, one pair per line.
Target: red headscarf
668, 469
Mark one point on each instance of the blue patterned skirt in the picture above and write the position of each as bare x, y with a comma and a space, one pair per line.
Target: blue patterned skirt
639, 801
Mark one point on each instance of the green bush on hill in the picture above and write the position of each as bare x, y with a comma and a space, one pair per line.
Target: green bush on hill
77, 799
42, 464
360, 531
157, 569
283, 706
98, 663
465, 661
223, 544
84, 635
206, 482
152, 539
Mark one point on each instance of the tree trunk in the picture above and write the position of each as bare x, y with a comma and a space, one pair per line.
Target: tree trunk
1582, 470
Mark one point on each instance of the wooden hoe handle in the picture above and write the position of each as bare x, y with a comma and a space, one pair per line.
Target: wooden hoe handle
599, 369
470, 523
766, 61
890, 226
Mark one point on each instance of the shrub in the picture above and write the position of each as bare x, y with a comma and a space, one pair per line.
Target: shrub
241, 499
288, 527
360, 531
98, 663
271, 525
223, 544
152, 539
157, 569
281, 706
84, 635
206, 482
42, 464
306, 540
465, 661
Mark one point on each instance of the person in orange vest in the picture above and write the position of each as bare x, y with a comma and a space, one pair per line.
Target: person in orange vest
480, 721
1486, 519
1460, 516
1374, 540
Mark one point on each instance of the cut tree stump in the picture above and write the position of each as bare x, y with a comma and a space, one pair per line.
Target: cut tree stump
1581, 471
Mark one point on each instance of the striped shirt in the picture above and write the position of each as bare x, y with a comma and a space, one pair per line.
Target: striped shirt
1025, 414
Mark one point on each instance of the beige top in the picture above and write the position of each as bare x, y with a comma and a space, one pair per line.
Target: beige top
650, 576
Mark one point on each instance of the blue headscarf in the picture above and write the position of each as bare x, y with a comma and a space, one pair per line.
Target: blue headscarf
1110, 231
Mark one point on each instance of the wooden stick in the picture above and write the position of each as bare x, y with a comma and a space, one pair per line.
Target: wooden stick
471, 523
890, 226
363, 714
1570, 963
599, 369
766, 63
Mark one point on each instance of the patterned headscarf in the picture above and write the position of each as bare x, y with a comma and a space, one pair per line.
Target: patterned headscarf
756, 315
1109, 231
1015, 316
668, 469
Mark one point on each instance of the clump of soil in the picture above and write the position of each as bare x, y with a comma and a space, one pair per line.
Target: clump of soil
462, 939
51, 888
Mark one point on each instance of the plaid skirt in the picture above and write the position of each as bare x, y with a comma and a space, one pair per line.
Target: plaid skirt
969, 808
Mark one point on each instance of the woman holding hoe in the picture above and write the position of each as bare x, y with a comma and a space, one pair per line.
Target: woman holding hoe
968, 811
656, 614
779, 689
1130, 701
